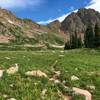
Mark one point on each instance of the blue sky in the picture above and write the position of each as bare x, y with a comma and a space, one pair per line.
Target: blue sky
45, 11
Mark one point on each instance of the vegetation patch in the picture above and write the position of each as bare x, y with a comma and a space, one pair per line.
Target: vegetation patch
81, 63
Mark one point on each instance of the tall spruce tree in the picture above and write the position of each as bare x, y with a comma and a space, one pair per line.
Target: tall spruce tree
97, 36
67, 45
79, 42
89, 37
74, 42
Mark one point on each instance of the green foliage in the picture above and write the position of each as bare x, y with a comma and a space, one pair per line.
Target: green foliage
83, 63
97, 36
2, 24
67, 46
92, 37
89, 37
75, 42
65, 90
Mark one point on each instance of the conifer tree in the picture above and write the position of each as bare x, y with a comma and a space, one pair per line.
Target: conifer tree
89, 37
79, 42
97, 36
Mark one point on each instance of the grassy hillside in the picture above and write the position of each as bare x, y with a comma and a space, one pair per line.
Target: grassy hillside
15, 31
85, 64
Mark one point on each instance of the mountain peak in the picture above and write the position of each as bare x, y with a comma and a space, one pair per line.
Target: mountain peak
80, 20
55, 25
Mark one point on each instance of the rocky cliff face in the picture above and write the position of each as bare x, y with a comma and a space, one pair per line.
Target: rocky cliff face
79, 21
54, 26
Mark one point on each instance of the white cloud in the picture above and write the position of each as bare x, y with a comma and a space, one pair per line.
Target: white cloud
18, 3
94, 4
51, 20
59, 18
46, 22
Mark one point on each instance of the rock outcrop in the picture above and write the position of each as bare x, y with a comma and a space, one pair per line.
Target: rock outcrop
79, 21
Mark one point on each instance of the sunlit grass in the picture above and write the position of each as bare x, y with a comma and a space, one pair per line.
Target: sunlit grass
80, 63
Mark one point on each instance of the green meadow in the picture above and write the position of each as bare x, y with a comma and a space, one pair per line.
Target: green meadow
83, 63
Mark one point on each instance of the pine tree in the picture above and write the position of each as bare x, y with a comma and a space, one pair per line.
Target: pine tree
67, 45
89, 37
74, 42
79, 42
97, 36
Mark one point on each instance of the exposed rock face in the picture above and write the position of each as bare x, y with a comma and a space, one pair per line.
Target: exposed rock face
73, 23
89, 16
55, 26
78, 22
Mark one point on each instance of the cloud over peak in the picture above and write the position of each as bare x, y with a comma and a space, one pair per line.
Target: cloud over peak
94, 4
9, 4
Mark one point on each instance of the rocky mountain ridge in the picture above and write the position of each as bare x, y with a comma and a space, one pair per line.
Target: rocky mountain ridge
79, 21
16, 31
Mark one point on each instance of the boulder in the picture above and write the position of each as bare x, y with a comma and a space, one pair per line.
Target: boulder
36, 73
74, 78
82, 92
1, 73
13, 69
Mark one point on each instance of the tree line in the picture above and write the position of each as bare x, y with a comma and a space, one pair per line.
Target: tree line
91, 39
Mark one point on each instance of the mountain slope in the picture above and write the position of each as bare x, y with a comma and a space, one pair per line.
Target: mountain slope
17, 31
26, 33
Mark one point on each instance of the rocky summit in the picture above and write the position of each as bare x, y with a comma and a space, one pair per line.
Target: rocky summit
79, 21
